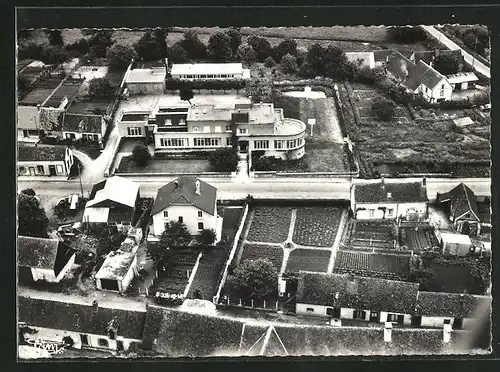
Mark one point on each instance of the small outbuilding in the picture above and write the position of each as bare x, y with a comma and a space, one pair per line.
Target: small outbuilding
454, 244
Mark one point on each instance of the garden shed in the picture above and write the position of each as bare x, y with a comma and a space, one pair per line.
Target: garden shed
455, 244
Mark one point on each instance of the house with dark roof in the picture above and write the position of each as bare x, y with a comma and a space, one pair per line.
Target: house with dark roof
188, 200
40, 259
44, 160
390, 200
85, 325
382, 56
460, 310
419, 78
83, 127
461, 206
113, 201
346, 296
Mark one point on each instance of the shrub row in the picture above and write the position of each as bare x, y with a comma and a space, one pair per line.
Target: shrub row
211, 84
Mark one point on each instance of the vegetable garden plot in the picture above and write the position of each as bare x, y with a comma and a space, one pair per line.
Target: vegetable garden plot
256, 251
385, 263
308, 260
316, 226
270, 224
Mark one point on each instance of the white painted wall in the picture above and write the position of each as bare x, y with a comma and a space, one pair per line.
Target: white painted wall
57, 335
406, 320
435, 321
190, 216
129, 276
45, 164
398, 209
43, 274
66, 268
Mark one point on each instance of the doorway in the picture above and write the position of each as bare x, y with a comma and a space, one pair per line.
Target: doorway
416, 321
374, 316
111, 285
84, 339
119, 345
243, 146
52, 170
32, 171
457, 323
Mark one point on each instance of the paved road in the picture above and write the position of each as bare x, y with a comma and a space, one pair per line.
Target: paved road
478, 65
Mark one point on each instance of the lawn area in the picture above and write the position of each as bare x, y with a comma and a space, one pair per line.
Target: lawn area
159, 165
256, 251
372, 263
316, 226
270, 224
308, 260
435, 147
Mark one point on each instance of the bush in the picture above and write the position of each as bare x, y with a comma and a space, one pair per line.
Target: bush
246, 54
209, 84
288, 64
224, 160
206, 237
30, 51
120, 56
141, 155
383, 109
100, 87
269, 62
54, 55
265, 163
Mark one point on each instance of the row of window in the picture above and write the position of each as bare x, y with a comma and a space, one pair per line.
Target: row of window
134, 131
174, 142
168, 121
291, 144
389, 212
206, 76
361, 314
261, 144
40, 170
181, 219
207, 142
206, 129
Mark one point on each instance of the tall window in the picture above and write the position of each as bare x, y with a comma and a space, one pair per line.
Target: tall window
291, 144
168, 121
207, 142
441, 93
165, 214
371, 212
40, 169
261, 144
200, 225
59, 169
181, 219
389, 212
134, 131
278, 144
229, 141
200, 214
174, 142
228, 128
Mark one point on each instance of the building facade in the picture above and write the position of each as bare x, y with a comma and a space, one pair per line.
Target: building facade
42, 160
222, 71
142, 81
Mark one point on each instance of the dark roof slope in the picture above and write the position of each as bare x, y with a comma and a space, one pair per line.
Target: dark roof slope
185, 193
458, 305
38, 253
462, 200
381, 55
41, 153
82, 123
400, 66
69, 89
357, 292
400, 192
77, 317
431, 77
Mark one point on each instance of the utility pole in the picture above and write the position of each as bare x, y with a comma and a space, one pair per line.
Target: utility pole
474, 54
80, 176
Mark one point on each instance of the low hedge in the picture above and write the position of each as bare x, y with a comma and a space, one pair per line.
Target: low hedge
211, 84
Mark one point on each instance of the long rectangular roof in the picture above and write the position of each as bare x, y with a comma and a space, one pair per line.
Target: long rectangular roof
389, 192
462, 77
117, 189
150, 75
460, 305
207, 68
41, 153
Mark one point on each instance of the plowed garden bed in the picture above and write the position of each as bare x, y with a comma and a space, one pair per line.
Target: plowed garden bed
256, 251
270, 224
316, 226
384, 263
308, 260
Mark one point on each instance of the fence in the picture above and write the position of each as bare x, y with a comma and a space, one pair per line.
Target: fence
202, 174
231, 255
193, 273
109, 171
262, 305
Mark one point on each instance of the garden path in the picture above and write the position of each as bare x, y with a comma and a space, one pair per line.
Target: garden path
292, 225
336, 243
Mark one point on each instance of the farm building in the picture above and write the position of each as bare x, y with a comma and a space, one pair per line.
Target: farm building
460, 310
119, 268
365, 59
192, 71
43, 259
381, 57
454, 244
187, 200
150, 80
386, 200
41, 160
81, 324
114, 200
460, 203
420, 78
83, 127
345, 296
462, 80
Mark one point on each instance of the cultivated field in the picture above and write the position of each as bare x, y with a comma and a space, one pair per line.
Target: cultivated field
420, 239
308, 260
256, 251
369, 235
175, 278
316, 226
367, 263
270, 224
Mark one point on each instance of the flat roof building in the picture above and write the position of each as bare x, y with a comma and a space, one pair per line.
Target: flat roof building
209, 71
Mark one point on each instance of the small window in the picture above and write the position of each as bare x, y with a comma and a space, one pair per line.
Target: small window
168, 121
389, 212
218, 129
447, 321
359, 314
228, 128
40, 169
310, 310
200, 214
102, 342
195, 129
181, 219
329, 311
441, 93
200, 225
206, 129
22, 170
371, 212
59, 169
165, 214
442, 86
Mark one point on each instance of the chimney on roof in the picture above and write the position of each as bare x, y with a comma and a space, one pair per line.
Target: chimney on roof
389, 195
198, 192
446, 333
424, 182
382, 182
388, 332
204, 111
260, 103
337, 295
176, 184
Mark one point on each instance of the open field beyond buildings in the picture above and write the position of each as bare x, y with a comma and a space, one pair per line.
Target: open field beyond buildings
308, 260
316, 226
270, 224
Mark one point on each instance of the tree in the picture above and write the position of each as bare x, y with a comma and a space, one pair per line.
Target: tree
269, 62
246, 54
336, 65
186, 93
224, 160
97, 51
206, 237
254, 279
28, 191
61, 209
160, 36
383, 109
288, 64
81, 46
262, 90
198, 294
234, 35
55, 37
287, 46
32, 218
120, 55
219, 47
423, 276
315, 59
102, 37
30, 50
54, 55
193, 46
406, 34
177, 54
100, 87
261, 46
448, 63
147, 48
176, 235
141, 155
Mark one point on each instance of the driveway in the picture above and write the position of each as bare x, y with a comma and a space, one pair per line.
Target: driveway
478, 65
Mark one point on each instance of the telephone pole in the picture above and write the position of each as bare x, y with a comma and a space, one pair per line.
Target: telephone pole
80, 176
